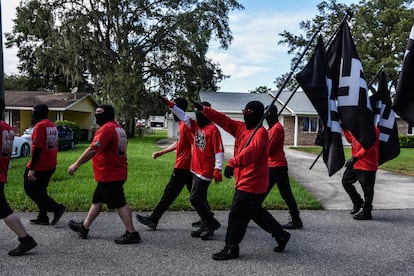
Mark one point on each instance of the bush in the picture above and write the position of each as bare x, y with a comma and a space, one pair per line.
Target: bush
406, 141
74, 126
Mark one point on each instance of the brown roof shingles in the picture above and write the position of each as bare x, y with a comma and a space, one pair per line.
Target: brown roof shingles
54, 100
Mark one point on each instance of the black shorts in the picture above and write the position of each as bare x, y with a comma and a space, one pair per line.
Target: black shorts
111, 193
5, 209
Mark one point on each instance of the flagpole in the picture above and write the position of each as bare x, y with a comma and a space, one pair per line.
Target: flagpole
348, 13
377, 74
283, 85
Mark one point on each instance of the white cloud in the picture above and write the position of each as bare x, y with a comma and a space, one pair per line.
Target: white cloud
254, 57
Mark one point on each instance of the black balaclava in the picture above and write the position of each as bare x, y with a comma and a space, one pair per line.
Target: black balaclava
39, 113
106, 116
202, 120
271, 116
182, 104
253, 113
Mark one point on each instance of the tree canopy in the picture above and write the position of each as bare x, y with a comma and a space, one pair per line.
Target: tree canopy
126, 49
380, 29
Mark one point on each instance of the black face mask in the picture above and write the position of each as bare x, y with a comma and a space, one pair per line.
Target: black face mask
252, 114
102, 118
37, 116
202, 120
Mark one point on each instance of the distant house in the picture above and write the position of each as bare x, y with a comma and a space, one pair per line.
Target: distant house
299, 118
156, 121
75, 107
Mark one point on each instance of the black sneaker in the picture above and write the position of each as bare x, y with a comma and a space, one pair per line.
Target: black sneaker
294, 224
363, 215
357, 206
281, 242
78, 227
196, 223
128, 238
197, 233
147, 221
227, 254
58, 214
23, 247
40, 220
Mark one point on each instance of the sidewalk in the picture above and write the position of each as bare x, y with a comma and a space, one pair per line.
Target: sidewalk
392, 191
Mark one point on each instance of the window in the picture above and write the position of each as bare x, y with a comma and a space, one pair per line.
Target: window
310, 124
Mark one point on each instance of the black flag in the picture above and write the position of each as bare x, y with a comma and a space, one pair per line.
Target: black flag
316, 84
404, 98
349, 88
384, 117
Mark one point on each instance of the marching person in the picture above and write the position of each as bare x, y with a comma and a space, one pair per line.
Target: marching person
6, 213
42, 165
278, 167
181, 175
206, 164
362, 167
108, 152
249, 167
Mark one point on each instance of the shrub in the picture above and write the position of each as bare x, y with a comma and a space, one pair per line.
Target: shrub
74, 126
406, 141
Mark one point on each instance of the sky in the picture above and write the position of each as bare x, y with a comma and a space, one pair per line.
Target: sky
254, 57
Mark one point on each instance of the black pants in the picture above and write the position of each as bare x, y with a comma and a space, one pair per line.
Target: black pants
279, 175
179, 179
5, 209
367, 181
37, 191
246, 207
198, 198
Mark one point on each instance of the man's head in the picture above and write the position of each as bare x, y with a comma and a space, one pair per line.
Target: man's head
253, 113
271, 116
182, 104
202, 120
104, 113
39, 112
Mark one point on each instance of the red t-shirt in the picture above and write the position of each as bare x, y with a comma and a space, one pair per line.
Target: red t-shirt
276, 141
251, 171
45, 136
183, 150
207, 150
367, 158
6, 144
110, 162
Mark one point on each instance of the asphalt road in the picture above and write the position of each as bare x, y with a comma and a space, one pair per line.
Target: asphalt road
331, 242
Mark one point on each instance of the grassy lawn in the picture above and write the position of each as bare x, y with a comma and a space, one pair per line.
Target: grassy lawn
146, 182
404, 163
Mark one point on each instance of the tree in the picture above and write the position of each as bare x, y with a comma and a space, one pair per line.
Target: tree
126, 48
380, 29
261, 89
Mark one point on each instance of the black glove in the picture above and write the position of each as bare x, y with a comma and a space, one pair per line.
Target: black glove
350, 163
228, 171
197, 105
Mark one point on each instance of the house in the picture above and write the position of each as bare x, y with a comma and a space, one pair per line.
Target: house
298, 116
75, 107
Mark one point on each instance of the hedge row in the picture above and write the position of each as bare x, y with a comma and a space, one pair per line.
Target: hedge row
406, 141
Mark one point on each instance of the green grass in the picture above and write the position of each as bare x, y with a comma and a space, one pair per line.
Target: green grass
146, 182
404, 163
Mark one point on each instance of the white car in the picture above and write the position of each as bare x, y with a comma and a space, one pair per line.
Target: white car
21, 147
